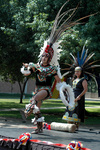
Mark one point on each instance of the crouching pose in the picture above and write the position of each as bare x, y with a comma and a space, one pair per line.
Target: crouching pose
44, 76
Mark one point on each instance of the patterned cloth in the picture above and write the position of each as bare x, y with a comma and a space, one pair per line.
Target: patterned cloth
76, 113
44, 77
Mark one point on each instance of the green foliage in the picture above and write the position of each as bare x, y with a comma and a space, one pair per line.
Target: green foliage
71, 43
91, 32
23, 31
25, 24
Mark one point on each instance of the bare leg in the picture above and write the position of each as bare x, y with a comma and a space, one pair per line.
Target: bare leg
41, 95
38, 117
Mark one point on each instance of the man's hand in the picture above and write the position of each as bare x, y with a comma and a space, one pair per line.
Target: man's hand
25, 64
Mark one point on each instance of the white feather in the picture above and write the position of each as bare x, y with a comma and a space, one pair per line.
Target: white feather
23, 71
57, 49
35, 109
66, 73
58, 85
40, 119
61, 87
58, 72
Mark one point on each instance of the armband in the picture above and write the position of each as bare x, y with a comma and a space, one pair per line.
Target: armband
25, 70
31, 65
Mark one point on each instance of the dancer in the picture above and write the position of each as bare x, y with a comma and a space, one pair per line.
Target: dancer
83, 72
44, 76
49, 56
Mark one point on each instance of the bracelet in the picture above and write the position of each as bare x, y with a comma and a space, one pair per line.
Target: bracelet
31, 65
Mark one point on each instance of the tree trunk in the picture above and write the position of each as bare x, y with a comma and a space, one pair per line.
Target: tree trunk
22, 88
21, 97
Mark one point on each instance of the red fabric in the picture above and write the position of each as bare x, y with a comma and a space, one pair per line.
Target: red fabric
60, 145
35, 140
85, 148
46, 49
46, 142
50, 51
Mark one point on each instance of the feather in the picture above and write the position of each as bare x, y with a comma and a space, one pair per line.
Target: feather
83, 62
55, 22
75, 61
85, 57
84, 17
66, 73
59, 73
92, 76
91, 63
57, 49
63, 15
82, 57
82, 50
66, 69
58, 29
93, 66
89, 57
78, 59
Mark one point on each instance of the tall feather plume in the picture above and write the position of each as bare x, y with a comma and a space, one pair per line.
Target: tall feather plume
56, 21
82, 56
93, 66
83, 50
57, 49
84, 63
88, 58
58, 30
85, 57
89, 64
75, 59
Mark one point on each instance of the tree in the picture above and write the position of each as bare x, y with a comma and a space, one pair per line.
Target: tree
87, 31
23, 37
25, 24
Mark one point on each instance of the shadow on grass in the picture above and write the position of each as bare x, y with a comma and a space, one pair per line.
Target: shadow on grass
52, 116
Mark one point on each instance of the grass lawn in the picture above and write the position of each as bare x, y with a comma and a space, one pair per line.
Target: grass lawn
50, 114
92, 103
14, 103
10, 114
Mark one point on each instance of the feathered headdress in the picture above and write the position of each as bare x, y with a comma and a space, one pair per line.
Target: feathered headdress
84, 62
51, 46
53, 51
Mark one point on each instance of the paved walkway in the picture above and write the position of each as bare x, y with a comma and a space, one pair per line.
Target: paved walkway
88, 135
